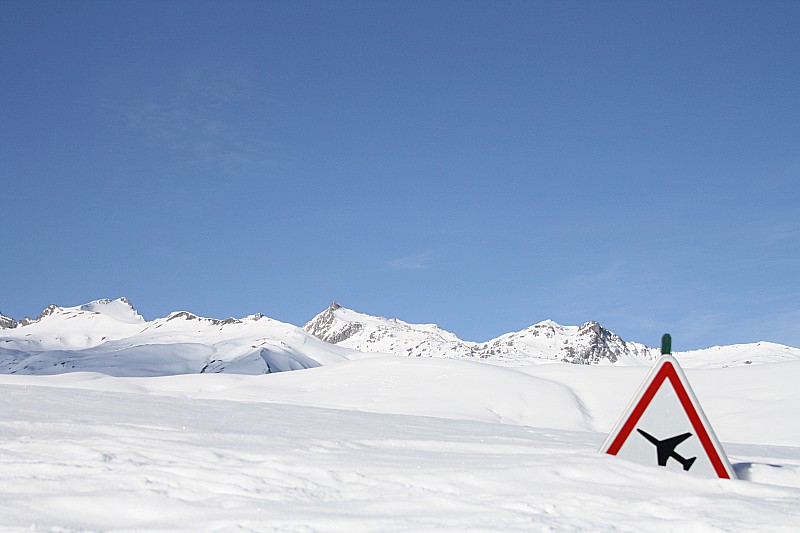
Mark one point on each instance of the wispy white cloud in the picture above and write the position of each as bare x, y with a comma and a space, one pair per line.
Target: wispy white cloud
783, 231
171, 255
615, 281
601, 276
209, 122
420, 261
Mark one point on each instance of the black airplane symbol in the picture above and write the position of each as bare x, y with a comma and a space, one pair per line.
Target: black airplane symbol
666, 449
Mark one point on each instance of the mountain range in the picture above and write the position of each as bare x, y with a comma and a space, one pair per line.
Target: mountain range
111, 337
589, 343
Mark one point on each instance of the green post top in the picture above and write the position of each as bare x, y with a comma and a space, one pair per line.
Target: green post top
666, 344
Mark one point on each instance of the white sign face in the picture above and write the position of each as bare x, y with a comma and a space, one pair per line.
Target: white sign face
664, 426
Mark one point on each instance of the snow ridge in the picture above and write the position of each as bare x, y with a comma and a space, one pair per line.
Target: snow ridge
120, 309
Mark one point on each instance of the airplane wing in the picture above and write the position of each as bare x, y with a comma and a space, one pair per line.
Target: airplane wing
666, 447
674, 441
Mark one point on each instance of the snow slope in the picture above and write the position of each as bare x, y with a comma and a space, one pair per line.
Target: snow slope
738, 354
390, 444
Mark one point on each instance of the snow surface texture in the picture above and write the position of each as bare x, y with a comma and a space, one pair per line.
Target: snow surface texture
361, 442
387, 444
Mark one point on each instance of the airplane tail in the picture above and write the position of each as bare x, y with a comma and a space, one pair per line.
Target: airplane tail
688, 463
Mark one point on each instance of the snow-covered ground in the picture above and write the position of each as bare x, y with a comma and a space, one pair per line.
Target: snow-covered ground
390, 444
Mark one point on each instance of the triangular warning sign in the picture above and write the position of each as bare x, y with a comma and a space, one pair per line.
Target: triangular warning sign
664, 425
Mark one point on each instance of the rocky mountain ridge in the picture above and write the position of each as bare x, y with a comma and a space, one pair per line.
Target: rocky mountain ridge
589, 343
7, 322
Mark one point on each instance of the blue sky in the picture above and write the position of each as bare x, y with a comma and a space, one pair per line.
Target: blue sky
479, 165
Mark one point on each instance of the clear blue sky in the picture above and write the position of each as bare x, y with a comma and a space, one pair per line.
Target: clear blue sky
480, 165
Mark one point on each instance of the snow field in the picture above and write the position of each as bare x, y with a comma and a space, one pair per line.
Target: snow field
497, 450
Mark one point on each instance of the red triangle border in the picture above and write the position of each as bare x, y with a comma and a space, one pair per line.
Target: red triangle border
668, 372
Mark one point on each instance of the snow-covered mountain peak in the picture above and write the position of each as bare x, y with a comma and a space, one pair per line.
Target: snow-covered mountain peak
589, 343
336, 316
7, 322
120, 309
547, 324
181, 315
336, 324
186, 316
367, 333
548, 329
48, 311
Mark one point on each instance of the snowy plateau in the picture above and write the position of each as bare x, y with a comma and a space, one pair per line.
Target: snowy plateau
355, 423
